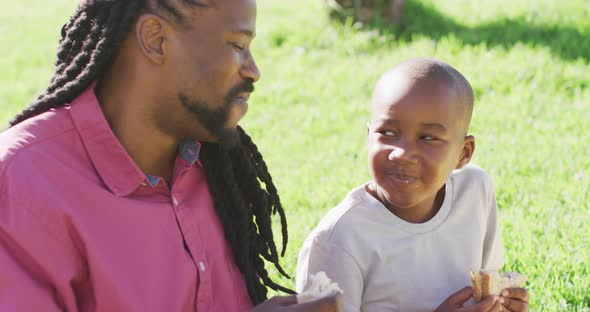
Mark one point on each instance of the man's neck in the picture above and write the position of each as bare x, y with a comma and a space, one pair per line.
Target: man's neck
152, 151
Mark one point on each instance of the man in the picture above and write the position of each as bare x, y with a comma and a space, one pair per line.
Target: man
128, 185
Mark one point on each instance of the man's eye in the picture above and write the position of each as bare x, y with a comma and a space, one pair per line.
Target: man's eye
387, 133
238, 46
428, 138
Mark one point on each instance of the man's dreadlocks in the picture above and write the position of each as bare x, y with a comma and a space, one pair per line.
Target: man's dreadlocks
241, 186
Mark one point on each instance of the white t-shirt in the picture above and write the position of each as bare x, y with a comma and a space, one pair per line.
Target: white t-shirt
383, 263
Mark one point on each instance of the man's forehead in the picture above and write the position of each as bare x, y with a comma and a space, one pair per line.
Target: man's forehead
236, 4
225, 7
237, 15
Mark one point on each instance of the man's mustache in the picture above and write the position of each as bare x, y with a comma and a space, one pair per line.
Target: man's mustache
246, 86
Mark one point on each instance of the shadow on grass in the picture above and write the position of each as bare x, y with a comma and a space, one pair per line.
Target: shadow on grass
564, 41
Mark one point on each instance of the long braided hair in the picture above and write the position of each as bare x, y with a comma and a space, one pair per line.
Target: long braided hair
243, 192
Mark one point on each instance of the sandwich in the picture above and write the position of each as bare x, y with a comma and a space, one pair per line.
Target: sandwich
318, 286
489, 282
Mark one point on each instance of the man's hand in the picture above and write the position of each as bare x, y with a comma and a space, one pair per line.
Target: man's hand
456, 301
330, 303
515, 300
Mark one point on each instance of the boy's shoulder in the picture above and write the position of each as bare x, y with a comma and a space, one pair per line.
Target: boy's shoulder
471, 175
471, 184
342, 221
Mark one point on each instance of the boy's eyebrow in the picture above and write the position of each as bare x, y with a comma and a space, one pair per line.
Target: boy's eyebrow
433, 126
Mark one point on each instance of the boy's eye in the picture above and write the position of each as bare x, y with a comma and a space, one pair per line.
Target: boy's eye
429, 138
387, 133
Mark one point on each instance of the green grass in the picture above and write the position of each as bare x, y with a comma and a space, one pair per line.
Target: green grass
528, 62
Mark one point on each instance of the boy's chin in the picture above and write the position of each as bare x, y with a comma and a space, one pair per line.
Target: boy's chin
393, 199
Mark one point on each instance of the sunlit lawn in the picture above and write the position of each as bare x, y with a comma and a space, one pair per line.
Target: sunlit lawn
527, 60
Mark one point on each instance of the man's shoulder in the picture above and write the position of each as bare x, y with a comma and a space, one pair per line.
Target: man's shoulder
22, 144
33, 131
31, 166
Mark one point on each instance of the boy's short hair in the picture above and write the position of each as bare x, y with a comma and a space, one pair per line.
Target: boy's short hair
426, 68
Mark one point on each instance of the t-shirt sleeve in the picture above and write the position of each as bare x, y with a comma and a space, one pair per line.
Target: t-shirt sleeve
493, 249
318, 255
24, 282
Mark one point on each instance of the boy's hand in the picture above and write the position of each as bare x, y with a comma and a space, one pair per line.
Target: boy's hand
515, 300
456, 301
330, 303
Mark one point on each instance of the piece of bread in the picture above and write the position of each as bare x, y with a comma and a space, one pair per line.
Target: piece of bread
318, 286
488, 282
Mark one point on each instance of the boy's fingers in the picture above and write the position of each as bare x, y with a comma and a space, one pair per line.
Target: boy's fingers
284, 300
489, 304
513, 305
279, 303
497, 307
519, 294
458, 299
330, 303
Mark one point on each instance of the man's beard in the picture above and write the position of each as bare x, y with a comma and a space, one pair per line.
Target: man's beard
214, 120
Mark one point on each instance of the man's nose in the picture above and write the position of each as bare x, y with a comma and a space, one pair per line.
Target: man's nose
250, 69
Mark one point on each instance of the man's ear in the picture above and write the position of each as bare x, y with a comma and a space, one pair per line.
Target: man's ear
466, 152
150, 32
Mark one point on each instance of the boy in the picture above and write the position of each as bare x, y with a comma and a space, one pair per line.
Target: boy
406, 240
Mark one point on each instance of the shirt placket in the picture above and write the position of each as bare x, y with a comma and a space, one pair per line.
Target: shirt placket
188, 220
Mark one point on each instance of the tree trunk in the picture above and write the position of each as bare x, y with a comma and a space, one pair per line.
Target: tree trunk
364, 11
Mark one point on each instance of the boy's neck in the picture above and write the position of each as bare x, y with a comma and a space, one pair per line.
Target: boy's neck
420, 213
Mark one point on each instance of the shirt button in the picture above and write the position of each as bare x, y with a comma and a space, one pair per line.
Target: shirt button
174, 201
202, 266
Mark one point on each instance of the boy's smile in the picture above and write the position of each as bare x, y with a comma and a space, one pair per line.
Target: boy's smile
415, 140
400, 178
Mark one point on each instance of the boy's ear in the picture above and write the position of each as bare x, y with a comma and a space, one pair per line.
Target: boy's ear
150, 33
466, 152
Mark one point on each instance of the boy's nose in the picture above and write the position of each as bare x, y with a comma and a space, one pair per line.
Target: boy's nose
396, 153
402, 154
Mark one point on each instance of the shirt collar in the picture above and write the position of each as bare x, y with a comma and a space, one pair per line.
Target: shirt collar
188, 155
189, 150
110, 159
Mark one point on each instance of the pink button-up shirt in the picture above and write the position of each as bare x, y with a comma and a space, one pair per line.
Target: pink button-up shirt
82, 228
